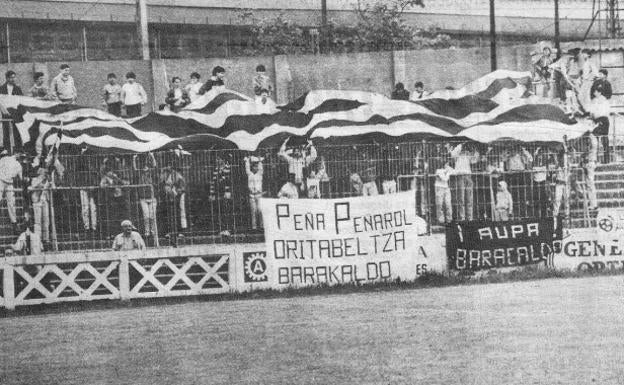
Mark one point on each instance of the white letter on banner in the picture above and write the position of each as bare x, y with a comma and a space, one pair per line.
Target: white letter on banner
516, 230
533, 229
460, 259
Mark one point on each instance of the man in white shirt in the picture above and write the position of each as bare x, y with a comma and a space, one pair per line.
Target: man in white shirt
419, 92
10, 170
464, 157
298, 160
254, 182
192, 89
129, 239
600, 110
63, 87
133, 96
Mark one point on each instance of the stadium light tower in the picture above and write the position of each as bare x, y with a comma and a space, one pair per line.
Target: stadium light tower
492, 36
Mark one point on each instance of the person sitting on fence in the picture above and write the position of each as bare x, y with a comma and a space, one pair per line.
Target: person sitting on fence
129, 239
39, 90
298, 160
602, 82
255, 171
10, 173
465, 156
504, 203
600, 111
177, 97
63, 87
216, 81
589, 172
28, 242
40, 195
444, 208
419, 92
192, 89
147, 197
543, 71
289, 190
400, 93
9, 87
262, 85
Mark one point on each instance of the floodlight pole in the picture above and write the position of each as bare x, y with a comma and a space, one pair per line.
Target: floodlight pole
557, 37
492, 37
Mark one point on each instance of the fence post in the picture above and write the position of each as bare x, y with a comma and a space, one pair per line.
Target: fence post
8, 286
124, 277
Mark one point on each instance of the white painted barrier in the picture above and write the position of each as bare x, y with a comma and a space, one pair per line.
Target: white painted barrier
167, 272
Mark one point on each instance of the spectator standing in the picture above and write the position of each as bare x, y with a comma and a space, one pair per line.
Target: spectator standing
400, 93
177, 97
589, 73
318, 180
217, 80
602, 82
129, 239
298, 160
355, 182
561, 175
543, 71
192, 89
464, 158
255, 172
9, 87
420, 170
133, 96
444, 208
28, 243
10, 172
589, 168
85, 175
419, 92
369, 177
112, 95
63, 86
39, 90
114, 203
600, 111
518, 161
147, 198
540, 189
504, 203
289, 190
174, 200
262, 83
40, 196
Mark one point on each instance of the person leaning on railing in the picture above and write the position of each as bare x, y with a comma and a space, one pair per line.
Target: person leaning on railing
129, 239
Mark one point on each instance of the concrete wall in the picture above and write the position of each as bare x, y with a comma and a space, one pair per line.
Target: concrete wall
293, 75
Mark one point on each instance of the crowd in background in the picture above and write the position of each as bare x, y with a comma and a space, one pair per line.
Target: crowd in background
219, 192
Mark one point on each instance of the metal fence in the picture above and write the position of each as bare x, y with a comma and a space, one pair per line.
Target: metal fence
177, 198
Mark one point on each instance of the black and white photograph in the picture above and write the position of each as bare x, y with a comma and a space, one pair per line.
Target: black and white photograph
366, 192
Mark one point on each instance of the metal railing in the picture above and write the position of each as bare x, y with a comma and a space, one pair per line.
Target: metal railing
177, 199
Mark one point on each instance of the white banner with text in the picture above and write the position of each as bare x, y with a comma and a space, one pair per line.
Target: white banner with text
348, 240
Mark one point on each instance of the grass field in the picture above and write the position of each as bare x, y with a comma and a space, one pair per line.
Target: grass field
555, 331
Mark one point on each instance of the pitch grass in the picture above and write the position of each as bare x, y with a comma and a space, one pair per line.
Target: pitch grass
546, 331
427, 280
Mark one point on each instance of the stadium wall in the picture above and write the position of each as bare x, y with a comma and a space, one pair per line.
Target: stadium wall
293, 75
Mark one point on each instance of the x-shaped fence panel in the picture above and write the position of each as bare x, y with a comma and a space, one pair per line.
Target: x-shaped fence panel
49, 283
189, 275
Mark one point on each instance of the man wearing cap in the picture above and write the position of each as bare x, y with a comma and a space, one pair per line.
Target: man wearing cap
129, 239
10, 169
